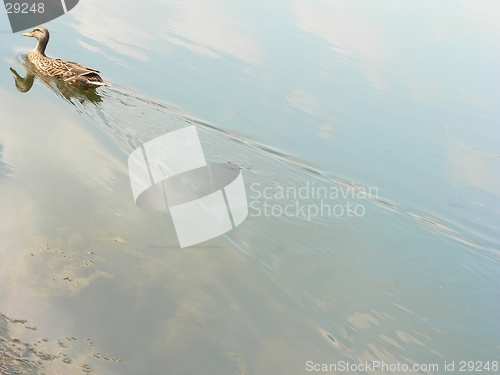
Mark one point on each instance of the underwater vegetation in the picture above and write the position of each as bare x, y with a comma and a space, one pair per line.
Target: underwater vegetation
40, 356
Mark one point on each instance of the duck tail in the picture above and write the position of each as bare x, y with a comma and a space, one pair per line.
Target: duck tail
82, 82
98, 84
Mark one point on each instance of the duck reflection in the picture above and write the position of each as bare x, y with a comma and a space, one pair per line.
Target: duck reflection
65, 90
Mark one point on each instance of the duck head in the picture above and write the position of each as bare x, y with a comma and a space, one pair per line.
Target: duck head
42, 35
23, 84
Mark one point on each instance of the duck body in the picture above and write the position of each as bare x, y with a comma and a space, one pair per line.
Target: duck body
69, 71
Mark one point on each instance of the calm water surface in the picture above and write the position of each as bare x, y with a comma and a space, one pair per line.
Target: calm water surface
393, 98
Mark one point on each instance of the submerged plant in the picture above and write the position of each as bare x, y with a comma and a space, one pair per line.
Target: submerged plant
35, 357
240, 362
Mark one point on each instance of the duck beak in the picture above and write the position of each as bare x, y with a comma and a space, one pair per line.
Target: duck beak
28, 34
14, 73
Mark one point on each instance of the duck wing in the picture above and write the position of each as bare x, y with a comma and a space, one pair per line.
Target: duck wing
74, 69
63, 69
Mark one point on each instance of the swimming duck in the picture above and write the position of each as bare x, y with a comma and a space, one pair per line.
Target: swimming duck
68, 71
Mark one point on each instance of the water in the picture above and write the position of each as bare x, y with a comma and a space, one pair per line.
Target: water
388, 107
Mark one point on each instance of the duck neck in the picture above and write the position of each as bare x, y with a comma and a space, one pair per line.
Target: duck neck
42, 44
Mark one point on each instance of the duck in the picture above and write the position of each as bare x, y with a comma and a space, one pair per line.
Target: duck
68, 71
